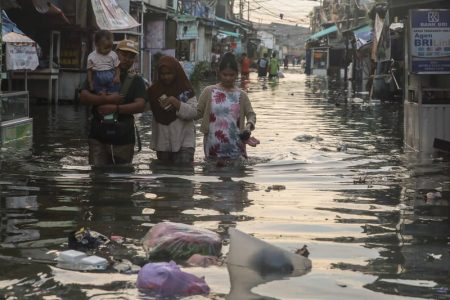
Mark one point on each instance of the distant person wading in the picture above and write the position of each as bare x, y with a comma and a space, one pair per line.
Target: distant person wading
263, 64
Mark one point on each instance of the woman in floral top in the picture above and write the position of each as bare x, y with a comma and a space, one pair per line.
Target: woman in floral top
228, 116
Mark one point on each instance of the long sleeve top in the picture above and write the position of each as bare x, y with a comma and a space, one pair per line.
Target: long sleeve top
180, 133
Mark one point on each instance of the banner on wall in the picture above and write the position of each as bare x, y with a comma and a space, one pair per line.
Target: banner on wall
110, 16
187, 30
430, 41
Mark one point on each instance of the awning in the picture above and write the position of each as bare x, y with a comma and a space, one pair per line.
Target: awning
17, 38
363, 36
322, 33
225, 34
110, 16
227, 22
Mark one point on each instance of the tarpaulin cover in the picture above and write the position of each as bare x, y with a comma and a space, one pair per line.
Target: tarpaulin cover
110, 16
8, 25
17, 38
167, 280
177, 241
363, 36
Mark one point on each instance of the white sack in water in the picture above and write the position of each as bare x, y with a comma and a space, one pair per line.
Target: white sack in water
252, 262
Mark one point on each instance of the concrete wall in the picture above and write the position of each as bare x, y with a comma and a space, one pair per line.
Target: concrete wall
69, 82
267, 39
424, 123
204, 44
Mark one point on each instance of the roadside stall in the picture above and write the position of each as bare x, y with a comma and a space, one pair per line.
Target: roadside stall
21, 55
64, 30
319, 45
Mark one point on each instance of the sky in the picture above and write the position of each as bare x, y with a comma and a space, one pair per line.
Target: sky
267, 11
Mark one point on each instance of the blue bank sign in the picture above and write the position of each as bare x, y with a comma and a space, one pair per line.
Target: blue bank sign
430, 41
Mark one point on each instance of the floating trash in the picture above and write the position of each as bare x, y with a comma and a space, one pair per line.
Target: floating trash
85, 239
79, 261
175, 241
167, 280
203, 261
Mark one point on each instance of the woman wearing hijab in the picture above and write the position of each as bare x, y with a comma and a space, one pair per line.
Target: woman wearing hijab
174, 107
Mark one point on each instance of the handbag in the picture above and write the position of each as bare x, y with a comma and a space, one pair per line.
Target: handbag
112, 129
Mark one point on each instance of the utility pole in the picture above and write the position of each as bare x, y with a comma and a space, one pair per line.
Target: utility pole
248, 10
241, 9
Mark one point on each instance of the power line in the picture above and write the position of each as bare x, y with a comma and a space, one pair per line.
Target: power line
263, 10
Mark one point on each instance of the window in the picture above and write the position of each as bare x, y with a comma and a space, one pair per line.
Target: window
320, 59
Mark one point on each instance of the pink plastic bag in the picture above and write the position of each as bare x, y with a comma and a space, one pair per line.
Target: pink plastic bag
203, 261
167, 280
175, 241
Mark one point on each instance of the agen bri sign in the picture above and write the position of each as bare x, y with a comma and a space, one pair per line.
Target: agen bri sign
430, 41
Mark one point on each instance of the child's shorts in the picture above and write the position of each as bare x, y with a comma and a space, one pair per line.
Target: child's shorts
103, 82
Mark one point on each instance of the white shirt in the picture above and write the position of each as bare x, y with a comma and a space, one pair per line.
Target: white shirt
179, 133
99, 62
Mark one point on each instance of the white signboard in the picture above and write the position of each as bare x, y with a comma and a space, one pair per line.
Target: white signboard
21, 57
430, 41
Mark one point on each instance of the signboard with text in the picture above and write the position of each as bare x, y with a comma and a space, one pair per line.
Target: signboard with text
430, 41
21, 57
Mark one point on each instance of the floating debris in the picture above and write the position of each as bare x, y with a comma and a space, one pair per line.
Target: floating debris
85, 239
125, 266
307, 138
167, 280
176, 241
276, 187
433, 257
303, 251
203, 261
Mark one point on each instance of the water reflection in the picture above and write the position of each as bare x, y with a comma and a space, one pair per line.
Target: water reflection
351, 194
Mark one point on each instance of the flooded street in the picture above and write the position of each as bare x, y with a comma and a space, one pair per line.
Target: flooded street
353, 195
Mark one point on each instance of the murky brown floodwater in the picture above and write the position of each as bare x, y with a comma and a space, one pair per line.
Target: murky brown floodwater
361, 210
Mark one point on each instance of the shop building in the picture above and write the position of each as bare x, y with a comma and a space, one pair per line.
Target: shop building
64, 32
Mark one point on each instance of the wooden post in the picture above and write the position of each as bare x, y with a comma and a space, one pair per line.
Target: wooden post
26, 80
